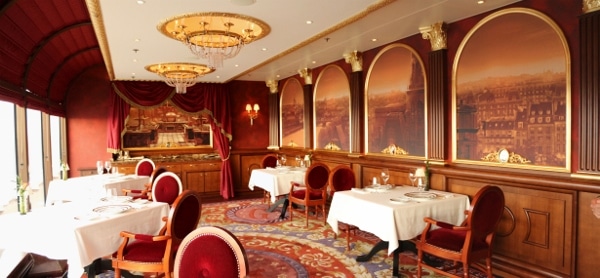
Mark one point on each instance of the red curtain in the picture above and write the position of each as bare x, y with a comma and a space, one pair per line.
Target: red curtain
210, 98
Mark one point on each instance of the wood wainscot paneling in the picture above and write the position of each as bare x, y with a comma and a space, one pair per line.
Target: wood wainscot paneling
536, 230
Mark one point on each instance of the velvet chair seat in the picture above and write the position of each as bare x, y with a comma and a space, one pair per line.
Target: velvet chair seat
211, 251
342, 178
467, 244
156, 253
312, 194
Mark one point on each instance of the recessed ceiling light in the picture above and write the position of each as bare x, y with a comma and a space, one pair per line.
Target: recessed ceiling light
264, 49
314, 62
309, 22
243, 2
373, 40
278, 76
236, 66
141, 2
137, 39
480, 2
135, 60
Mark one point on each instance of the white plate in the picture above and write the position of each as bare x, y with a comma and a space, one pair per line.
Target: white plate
400, 200
117, 199
424, 196
111, 209
378, 188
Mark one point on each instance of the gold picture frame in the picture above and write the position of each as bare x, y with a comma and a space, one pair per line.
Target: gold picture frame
513, 95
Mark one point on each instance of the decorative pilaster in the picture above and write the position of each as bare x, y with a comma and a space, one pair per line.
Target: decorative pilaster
308, 106
589, 109
357, 101
436, 97
436, 34
273, 114
306, 73
591, 5
354, 58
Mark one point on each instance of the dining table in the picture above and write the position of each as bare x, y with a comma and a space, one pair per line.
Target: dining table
394, 213
276, 181
92, 187
80, 231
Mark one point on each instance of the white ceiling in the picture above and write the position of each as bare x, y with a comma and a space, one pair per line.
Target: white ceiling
339, 26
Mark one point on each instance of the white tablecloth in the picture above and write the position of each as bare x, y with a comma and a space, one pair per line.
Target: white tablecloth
276, 181
91, 187
55, 232
391, 221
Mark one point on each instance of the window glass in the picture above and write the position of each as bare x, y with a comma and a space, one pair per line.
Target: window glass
8, 159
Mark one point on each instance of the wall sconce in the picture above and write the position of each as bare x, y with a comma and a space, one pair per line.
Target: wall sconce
252, 112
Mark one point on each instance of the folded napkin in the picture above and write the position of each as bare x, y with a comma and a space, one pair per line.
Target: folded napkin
359, 190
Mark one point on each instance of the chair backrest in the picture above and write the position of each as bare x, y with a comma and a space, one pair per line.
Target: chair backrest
317, 176
184, 216
211, 251
157, 173
341, 178
166, 187
485, 212
269, 160
144, 167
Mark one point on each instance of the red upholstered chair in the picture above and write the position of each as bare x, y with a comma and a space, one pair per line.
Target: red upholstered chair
269, 160
211, 252
313, 193
144, 167
156, 253
166, 188
145, 193
468, 243
342, 178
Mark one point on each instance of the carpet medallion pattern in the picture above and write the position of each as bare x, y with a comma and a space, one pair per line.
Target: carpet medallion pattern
284, 248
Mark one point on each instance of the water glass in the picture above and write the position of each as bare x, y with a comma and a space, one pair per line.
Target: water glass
100, 167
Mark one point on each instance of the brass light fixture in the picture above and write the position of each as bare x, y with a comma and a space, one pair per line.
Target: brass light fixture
180, 75
252, 112
214, 36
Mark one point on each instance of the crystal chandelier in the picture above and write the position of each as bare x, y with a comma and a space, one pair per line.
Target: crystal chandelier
180, 75
214, 36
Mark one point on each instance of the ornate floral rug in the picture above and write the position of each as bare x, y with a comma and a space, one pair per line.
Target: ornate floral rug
284, 248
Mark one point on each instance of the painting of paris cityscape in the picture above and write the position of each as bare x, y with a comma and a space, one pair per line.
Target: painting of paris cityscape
332, 110
395, 97
292, 114
512, 91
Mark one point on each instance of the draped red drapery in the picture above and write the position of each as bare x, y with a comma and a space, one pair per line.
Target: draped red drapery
213, 99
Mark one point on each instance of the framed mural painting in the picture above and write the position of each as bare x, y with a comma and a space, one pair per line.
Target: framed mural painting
292, 114
165, 127
395, 100
511, 97
332, 110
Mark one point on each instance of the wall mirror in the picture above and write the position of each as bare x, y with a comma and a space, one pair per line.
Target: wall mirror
166, 127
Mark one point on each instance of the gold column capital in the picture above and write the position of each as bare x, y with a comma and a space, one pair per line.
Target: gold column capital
272, 84
306, 73
354, 58
436, 34
591, 5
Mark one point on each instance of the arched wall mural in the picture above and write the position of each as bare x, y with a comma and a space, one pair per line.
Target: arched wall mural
332, 110
513, 96
395, 103
292, 114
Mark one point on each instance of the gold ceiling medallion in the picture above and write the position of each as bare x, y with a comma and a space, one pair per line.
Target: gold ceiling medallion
180, 75
214, 36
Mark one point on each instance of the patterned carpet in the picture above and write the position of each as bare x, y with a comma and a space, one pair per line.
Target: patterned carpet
284, 248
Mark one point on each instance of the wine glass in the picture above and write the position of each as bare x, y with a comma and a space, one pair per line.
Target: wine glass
283, 159
100, 167
385, 175
107, 166
412, 178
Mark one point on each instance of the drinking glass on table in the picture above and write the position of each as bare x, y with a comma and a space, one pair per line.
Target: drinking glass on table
283, 160
385, 175
99, 167
412, 178
107, 166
